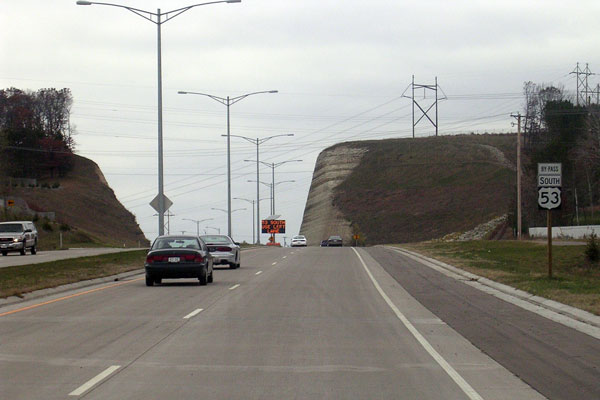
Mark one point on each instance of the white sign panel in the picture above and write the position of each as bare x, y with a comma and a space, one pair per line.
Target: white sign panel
550, 180
549, 197
549, 175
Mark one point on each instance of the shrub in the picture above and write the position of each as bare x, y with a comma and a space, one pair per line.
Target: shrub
64, 228
55, 185
592, 251
47, 226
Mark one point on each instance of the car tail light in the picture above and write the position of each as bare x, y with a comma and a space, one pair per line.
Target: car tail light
223, 248
199, 258
188, 257
151, 258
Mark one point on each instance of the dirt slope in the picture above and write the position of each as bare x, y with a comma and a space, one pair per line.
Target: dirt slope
406, 190
85, 201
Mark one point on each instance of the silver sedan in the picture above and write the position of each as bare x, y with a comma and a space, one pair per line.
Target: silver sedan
223, 250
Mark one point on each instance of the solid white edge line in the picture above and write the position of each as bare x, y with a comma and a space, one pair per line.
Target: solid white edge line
94, 381
459, 380
193, 313
234, 287
258, 273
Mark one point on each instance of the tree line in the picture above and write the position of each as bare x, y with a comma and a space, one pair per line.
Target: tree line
36, 138
556, 130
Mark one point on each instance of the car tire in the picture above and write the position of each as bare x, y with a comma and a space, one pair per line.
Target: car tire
22, 251
149, 280
210, 277
203, 278
5, 253
232, 266
158, 281
33, 250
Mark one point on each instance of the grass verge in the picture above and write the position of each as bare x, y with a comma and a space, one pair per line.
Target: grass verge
15, 281
524, 265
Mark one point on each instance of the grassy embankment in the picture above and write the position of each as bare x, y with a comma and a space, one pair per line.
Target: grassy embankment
15, 281
411, 190
524, 265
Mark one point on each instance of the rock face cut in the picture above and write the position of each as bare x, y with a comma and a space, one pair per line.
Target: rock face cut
321, 218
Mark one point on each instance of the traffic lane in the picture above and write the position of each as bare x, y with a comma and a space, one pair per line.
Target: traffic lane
311, 327
50, 350
559, 362
15, 259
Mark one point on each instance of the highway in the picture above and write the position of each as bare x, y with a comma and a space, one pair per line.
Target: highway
301, 323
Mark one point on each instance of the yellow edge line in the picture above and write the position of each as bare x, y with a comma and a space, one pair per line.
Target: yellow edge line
67, 297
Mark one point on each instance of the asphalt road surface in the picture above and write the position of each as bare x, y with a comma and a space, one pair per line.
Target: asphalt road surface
15, 259
309, 323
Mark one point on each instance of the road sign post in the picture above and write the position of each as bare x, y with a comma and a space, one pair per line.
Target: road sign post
549, 197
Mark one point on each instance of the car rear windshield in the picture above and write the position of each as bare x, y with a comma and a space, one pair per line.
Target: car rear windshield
216, 239
175, 243
298, 237
11, 228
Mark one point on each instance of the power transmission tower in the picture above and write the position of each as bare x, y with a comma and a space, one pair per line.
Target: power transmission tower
425, 112
583, 88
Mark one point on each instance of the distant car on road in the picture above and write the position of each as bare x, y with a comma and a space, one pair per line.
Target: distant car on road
178, 257
223, 249
18, 236
299, 240
324, 243
334, 241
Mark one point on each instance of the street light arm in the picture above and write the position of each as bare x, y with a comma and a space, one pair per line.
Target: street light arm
142, 13
251, 140
234, 100
221, 100
184, 9
261, 141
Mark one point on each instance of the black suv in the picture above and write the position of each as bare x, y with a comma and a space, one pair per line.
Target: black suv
18, 236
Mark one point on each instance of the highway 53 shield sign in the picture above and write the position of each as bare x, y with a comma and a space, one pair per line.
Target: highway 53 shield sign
549, 198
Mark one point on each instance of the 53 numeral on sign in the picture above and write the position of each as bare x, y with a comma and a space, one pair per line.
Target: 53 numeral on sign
549, 198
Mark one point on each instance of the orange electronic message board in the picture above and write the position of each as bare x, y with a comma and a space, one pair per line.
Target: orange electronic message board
273, 226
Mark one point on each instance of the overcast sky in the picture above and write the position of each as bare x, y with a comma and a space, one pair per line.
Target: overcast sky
341, 68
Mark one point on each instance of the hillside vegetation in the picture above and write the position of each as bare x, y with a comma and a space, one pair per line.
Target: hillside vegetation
409, 190
83, 203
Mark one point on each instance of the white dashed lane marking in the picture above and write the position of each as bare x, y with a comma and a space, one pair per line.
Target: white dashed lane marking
193, 313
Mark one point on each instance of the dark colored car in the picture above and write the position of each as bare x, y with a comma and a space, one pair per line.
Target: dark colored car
334, 241
223, 249
178, 257
18, 236
324, 243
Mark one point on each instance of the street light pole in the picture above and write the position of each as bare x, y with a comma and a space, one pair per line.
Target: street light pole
273, 166
253, 227
159, 21
197, 221
228, 101
258, 142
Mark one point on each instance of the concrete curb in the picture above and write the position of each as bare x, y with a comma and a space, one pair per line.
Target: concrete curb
65, 288
551, 305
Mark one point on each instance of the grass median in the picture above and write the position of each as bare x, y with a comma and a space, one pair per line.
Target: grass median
17, 280
524, 265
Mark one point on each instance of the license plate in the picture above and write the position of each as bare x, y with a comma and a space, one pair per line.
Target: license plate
174, 259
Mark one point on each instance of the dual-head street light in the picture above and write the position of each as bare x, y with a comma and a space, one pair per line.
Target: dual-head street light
228, 101
157, 18
258, 142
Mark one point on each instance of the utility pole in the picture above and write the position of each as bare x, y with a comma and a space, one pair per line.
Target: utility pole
519, 226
